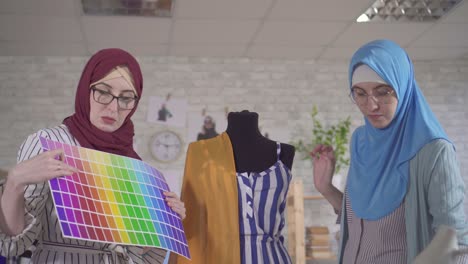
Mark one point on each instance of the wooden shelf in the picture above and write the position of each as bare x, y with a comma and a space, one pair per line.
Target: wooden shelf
295, 218
329, 258
314, 197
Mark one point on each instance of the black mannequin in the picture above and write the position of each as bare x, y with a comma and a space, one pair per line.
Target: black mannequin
252, 151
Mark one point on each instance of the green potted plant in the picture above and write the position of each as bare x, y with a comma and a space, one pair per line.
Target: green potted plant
332, 135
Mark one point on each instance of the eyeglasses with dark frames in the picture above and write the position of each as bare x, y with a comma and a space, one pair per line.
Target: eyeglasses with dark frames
105, 98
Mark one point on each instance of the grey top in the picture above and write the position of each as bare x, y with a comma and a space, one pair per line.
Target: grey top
435, 197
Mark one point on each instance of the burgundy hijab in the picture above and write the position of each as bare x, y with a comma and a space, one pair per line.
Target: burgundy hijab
120, 141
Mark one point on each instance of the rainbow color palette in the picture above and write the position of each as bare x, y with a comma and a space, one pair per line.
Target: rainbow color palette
114, 199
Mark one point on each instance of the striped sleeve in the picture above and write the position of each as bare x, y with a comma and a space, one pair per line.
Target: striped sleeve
35, 196
155, 255
447, 192
447, 196
462, 256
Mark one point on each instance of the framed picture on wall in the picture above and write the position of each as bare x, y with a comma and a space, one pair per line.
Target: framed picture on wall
205, 125
167, 110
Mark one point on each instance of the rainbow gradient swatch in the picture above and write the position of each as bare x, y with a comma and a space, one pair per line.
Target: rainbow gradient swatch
114, 199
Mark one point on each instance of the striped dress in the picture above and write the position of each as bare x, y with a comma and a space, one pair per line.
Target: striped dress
382, 241
43, 232
262, 201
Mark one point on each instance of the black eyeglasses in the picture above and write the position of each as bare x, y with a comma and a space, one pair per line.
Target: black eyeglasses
105, 98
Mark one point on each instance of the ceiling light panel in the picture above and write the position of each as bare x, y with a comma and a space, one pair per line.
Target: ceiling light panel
407, 10
149, 8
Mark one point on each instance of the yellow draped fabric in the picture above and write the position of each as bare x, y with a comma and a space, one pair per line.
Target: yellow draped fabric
209, 191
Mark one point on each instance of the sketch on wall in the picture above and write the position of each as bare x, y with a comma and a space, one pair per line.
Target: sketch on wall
167, 110
205, 125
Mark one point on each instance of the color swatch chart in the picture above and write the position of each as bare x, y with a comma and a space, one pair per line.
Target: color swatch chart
114, 199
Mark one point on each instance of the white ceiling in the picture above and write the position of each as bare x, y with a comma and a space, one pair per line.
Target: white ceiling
283, 29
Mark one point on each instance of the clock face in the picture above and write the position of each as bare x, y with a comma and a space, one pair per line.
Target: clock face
166, 146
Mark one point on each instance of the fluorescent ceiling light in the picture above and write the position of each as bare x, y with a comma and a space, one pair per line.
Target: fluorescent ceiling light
151, 8
362, 18
407, 10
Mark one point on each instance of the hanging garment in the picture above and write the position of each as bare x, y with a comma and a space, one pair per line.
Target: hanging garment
209, 191
262, 201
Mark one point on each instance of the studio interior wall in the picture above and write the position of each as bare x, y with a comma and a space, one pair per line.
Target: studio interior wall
37, 92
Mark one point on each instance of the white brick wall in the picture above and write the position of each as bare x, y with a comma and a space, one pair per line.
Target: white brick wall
39, 91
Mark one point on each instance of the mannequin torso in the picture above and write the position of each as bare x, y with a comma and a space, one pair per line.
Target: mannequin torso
252, 151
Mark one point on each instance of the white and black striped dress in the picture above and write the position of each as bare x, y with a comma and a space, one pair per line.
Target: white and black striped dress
42, 226
382, 241
262, 201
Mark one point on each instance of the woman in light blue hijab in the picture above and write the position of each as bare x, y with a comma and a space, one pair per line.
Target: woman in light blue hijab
404, 179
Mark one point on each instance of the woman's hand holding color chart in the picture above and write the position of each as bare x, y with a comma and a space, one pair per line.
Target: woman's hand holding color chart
116, 199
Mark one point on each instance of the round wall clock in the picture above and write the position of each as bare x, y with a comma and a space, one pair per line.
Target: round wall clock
166, 146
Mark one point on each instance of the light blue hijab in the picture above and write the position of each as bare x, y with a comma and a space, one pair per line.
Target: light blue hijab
379, 169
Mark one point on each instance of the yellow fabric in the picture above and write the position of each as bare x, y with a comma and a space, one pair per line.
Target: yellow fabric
209, 191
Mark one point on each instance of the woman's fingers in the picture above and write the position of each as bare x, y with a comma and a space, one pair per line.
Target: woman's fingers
171, 194
322, 150
317, 151
64, 169
57, 157
172, 197
43, 167
180, 212
175, 203
56, 154
55, 167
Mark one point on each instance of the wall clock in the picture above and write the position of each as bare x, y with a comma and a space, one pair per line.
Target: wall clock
166, 146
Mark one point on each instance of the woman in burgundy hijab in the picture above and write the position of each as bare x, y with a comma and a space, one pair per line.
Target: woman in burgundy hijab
107, 96
119, 141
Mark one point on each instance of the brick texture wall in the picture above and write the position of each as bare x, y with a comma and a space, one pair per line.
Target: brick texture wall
37, 92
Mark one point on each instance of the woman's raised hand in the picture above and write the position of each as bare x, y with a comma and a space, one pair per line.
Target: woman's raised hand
41, 168
175, 203
323, 160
